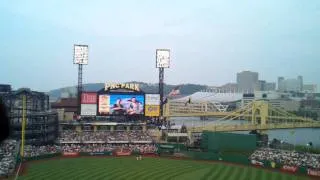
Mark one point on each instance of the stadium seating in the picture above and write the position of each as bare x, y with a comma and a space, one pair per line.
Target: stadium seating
8, 154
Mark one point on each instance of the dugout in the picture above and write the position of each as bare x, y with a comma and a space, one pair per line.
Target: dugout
221, 141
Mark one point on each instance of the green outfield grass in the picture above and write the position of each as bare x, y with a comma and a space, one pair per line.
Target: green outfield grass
146, 169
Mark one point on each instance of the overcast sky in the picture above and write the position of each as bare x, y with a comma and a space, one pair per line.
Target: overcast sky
210, 41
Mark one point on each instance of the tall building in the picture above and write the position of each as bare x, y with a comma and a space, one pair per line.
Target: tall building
281, 84
276, 99
41, 123
247, 81
261, 85
295, 85
270, 86
300, 81
309, 88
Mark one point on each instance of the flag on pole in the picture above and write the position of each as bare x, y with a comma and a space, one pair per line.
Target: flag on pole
175, 91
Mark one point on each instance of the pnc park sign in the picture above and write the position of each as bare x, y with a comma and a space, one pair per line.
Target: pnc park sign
131, 86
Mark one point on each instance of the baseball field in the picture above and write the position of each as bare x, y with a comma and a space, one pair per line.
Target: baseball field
145, 169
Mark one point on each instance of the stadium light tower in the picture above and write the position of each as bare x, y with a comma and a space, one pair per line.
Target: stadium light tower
162, 61
80, 57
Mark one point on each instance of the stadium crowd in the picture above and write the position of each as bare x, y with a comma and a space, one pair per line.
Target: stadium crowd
291, 158
99, 141
8, 154
32, 151
104, 136
142, 148
69, 136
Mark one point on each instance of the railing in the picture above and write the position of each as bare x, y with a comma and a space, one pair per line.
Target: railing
246, 127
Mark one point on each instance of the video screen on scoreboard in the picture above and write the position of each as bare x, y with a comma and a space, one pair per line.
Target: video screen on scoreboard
121, 104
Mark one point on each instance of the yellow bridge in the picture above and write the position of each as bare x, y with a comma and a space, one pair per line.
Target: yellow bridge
260, 115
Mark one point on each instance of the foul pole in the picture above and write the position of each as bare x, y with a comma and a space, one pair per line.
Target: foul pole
23, 125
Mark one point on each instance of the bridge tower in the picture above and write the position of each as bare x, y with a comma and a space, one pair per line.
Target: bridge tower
260, 112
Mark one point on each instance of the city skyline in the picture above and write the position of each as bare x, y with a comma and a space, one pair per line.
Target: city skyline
210, 41
209, 86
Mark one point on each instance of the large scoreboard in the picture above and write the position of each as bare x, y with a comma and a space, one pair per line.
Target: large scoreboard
120, 100
121, 104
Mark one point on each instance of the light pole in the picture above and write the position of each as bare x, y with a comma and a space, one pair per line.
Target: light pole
80, 57
162, 61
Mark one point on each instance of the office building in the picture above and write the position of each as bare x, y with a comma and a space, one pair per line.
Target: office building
270, 86
281, 84
285, 104
300, 81
265, 86
261, 85
294, 85
247, 81
275, 99
309, 88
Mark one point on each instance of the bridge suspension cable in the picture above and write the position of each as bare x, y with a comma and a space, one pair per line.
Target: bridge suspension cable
261, 114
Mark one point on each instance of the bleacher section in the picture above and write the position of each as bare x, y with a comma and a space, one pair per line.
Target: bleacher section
9, 150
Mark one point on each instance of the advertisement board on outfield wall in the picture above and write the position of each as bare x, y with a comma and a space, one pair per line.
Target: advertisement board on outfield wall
70, 154
119, 153
152, 99
312, 172
256, 163
88, 109
292, 169
152, 110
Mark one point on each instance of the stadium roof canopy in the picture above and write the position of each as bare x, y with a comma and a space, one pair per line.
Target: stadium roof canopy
212, 97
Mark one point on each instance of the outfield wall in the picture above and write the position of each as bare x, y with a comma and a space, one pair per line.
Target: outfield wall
231, 157
220, 141
243, 158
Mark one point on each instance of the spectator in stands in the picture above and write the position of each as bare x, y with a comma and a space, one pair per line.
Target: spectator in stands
8, 156
32, 151
100, 141
291, 158
108, 136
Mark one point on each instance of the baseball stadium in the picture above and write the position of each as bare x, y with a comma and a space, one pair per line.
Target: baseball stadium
119, 135
159, 90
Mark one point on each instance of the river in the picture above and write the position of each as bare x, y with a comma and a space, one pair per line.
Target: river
298, 136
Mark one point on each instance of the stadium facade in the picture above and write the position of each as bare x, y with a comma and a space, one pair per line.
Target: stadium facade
41, 123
